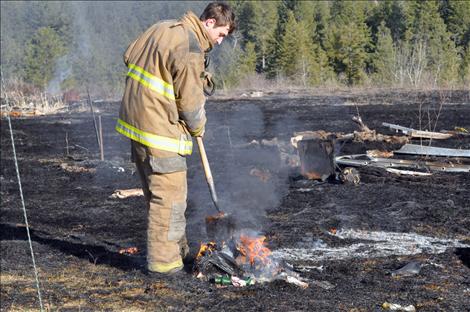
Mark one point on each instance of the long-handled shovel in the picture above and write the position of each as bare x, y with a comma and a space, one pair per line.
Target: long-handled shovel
221, 225
208, 173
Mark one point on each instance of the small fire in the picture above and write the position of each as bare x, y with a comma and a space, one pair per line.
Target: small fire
253, 250
205, 248
129, 251
214, 218
242, 260
333, 230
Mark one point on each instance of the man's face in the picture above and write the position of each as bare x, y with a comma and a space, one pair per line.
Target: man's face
216, 33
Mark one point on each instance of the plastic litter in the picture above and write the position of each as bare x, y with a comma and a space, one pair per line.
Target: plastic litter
233, 280
398, 307
412, 268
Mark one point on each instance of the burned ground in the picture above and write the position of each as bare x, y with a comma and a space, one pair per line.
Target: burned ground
77, 230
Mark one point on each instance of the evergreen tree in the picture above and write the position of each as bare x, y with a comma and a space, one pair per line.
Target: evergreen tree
257, 23
384, 57
464, 70
392, 12
247, 63
321, 18
456, 15
42, 55
298, 59
427, 29
274, 44
348, 40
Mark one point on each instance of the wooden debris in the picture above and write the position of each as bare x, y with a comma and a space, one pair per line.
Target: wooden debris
378, 153
362, 126
127, 193
408, 172
76, 169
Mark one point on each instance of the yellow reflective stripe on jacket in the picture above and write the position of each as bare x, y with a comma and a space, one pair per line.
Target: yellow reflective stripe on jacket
150, 81
182, 146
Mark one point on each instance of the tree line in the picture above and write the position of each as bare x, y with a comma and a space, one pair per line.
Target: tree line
65, 45
383, 43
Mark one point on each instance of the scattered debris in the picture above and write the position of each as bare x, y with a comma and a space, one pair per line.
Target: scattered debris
76, 169
372, 245
408, 172
350, 175
129, 250
256, 94
262, 174
323, 284
119, 169
127, 193
398, 307
308, 268
359, 160
412, 268
362, 126
378, 153
415, 149
242, 260
316, 152
238, 282
418, 133
293, 280
461, 129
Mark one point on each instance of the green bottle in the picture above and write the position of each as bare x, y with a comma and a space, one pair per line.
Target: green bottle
226, 280
223, 280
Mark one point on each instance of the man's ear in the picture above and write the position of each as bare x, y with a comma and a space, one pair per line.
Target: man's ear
210, 22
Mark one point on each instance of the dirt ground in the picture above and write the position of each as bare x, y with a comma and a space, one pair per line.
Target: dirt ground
77, 229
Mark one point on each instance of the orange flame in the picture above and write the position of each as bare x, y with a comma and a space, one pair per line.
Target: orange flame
205, 248
253, 250
130, 250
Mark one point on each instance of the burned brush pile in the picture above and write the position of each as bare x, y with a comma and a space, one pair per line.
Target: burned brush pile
371, 229
241, 260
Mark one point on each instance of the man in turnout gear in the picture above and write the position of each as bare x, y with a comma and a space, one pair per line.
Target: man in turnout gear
162, 107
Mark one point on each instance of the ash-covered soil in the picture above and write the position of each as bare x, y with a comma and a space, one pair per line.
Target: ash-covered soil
77, 230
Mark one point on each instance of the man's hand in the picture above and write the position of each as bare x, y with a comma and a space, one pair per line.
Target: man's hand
208, 84
198, 132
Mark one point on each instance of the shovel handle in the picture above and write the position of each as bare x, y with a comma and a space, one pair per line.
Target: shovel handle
207, 172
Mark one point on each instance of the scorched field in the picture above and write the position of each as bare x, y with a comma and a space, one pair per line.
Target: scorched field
391, 240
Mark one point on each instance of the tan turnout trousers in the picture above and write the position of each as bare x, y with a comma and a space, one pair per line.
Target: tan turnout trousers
165, 194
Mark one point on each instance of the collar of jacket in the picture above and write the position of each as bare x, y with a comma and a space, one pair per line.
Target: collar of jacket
191, 20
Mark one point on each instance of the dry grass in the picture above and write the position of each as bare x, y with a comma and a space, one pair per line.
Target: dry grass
86, 287
20, 104
21, 99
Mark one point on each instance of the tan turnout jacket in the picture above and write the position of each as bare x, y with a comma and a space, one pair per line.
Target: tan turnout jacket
163, 102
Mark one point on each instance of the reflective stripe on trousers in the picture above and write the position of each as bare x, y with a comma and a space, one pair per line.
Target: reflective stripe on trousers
181, 146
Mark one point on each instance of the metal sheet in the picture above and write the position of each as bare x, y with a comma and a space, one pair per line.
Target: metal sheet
418, 133
359, 160
415, 149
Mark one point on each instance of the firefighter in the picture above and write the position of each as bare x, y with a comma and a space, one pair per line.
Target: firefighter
162, 107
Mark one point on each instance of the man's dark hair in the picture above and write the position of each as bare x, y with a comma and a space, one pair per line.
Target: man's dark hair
222, 13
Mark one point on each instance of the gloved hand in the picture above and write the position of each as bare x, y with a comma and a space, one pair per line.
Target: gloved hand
208, 84
198, 132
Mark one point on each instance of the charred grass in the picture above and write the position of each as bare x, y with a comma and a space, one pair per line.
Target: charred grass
78, 231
